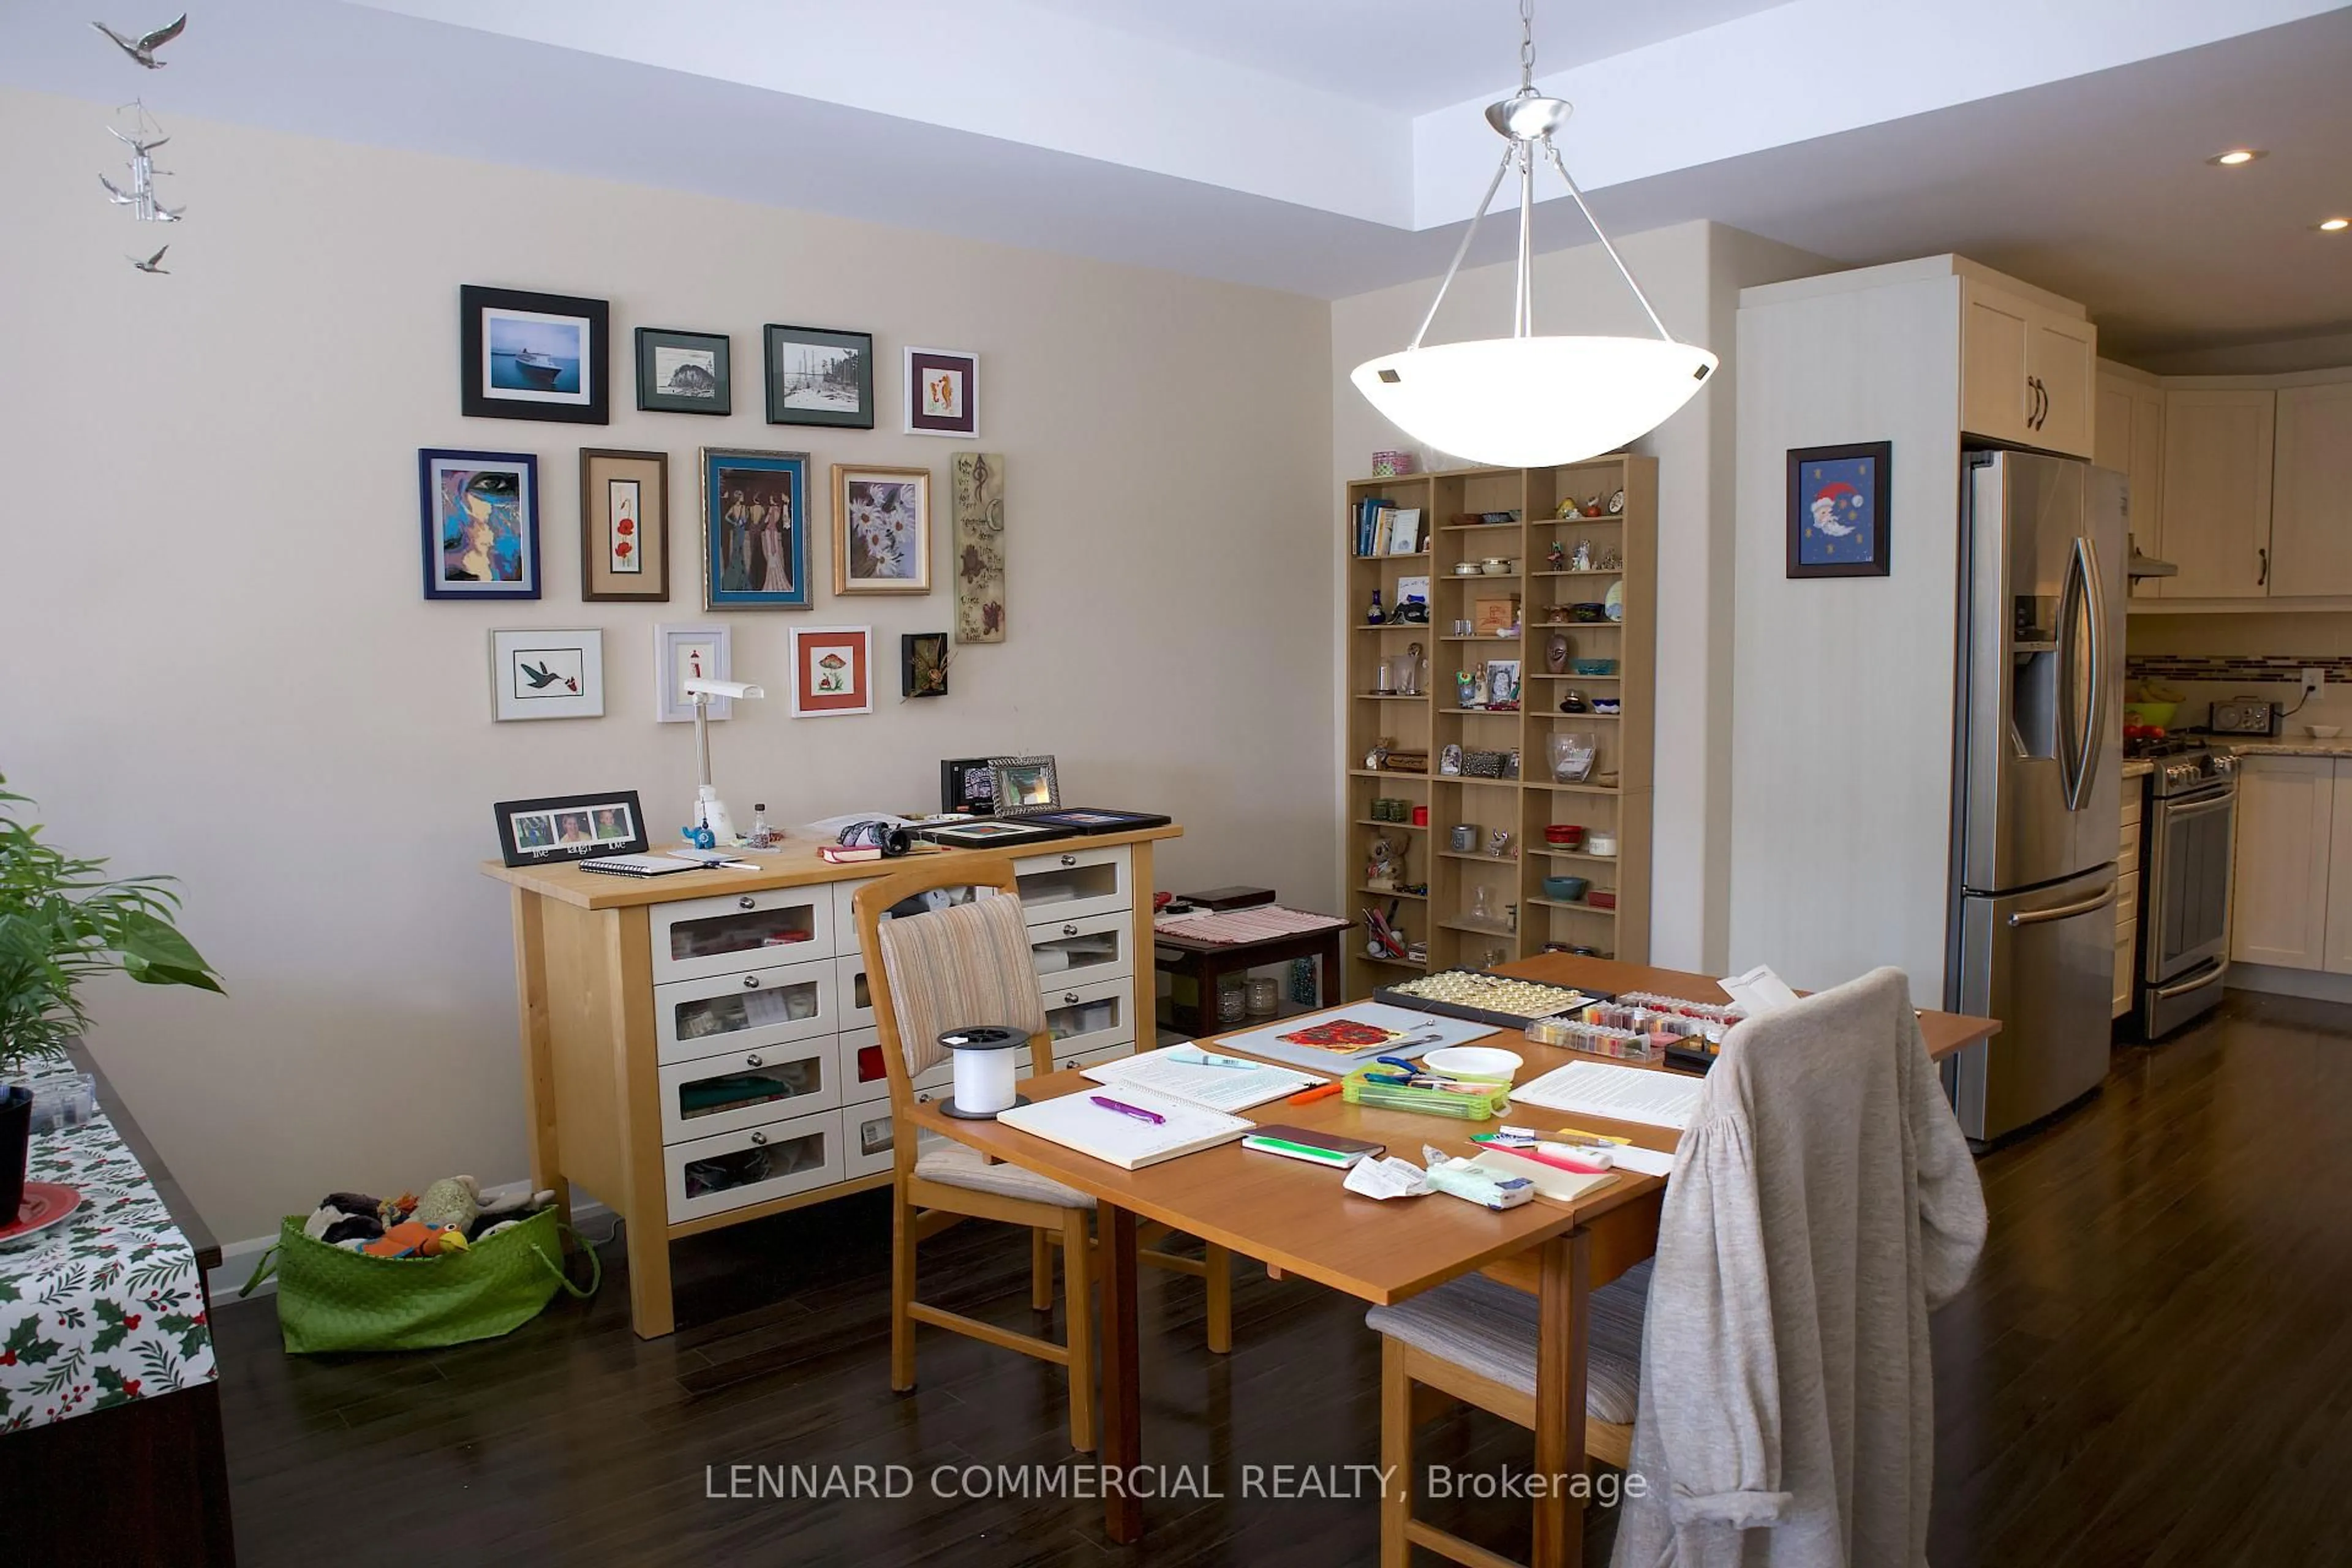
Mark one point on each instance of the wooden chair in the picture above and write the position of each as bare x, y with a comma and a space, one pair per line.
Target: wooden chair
964, 965
1473, 1339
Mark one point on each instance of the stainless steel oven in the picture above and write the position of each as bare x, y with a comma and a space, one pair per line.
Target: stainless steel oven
2185, 909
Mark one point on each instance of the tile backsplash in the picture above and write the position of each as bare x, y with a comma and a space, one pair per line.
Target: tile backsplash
2267, 668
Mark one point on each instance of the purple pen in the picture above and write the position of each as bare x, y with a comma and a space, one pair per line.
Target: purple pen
1108, 1103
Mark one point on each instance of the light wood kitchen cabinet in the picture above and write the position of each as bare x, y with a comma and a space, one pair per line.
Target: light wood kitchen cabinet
2027, 371
2131, 441
2127, 895
2337, 951
2283, 863
2218, 448
2311, 496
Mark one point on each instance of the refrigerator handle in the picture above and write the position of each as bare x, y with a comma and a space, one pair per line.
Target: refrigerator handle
2094, 727
2068, 744
2065, 911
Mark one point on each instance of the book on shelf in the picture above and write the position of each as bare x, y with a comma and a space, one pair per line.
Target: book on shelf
1411, 588
1403, 531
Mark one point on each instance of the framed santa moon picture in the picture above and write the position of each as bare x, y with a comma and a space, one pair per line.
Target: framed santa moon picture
1837, 509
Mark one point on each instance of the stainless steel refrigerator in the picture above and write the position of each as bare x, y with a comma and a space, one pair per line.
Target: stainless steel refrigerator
2039, 753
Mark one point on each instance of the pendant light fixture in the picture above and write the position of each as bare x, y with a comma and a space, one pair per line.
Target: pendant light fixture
1524, 401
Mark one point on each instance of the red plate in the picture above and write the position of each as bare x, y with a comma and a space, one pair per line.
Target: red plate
46, 1203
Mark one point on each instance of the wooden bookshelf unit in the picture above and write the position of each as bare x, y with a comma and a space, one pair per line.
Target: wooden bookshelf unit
1616, 798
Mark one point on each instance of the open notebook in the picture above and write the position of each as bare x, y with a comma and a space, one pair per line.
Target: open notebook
1076, 1122
1180, 1071
1621, 1094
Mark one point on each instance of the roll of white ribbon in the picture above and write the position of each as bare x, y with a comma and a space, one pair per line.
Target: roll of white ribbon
985, 1064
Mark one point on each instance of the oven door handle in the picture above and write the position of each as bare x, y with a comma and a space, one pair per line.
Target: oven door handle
2065, 911
2190, 807
2209, 974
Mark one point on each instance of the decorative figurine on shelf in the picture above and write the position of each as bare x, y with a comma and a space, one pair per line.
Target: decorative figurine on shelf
1612, 560
1415, 611
1463, 688
1592, 506
1581, 560
1617, 503
1556, 654
1498, 844
1556, 557
1378, 755
1569, 509
1383, 865
1376, 617
1574, 702
1449, 762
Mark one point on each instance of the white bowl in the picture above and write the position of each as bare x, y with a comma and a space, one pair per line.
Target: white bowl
1478, 1061
1601, 844
2323, 732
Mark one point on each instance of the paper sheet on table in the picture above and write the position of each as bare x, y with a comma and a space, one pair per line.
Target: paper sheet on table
1620, 1094
1426, 1031
1217, 1087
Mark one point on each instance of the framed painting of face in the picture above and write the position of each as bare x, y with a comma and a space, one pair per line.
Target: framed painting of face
479, 517
754, 530
532, 356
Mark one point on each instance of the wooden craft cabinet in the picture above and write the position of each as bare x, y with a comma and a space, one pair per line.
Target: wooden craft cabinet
700, 1049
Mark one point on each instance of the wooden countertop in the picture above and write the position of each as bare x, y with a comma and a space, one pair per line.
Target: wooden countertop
794, 865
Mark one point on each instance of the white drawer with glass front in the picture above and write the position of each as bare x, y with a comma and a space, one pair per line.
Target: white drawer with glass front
744, 1012
775, 1160
1071, 884
710, 1094
1067, 953
1083, 1016
699, 937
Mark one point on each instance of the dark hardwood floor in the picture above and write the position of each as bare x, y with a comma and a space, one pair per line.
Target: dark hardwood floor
2153, 1366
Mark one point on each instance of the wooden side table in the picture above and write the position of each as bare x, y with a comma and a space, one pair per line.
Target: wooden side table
1206, 963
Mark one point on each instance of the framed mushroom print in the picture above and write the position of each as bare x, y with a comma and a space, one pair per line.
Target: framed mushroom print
532, 356
624, 526
479, 515
942, 393
754, 530
833, 670
881, 530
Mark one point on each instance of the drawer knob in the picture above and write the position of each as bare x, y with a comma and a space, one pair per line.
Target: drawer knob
747, 902
1069, 859
1070, 931
750, 983
755, 1061
758, 1138
1070, 998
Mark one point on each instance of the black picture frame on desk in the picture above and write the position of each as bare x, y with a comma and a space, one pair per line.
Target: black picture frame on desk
994, 833
537, 832
1090, 820
1023, 786
966, 785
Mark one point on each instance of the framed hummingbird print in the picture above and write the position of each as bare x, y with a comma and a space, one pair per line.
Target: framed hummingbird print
547, 673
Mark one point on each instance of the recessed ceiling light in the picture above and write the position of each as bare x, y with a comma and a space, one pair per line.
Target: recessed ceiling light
2334, 224
2237, 155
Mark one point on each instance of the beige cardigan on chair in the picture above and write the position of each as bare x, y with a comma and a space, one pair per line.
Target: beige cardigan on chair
1823, 1201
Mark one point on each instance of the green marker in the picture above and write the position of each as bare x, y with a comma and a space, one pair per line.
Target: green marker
1307, 1151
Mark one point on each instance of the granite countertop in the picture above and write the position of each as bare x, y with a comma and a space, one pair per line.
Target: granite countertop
2138, 767
2293, 746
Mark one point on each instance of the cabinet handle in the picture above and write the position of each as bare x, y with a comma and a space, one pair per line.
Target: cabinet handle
1069, 998
2262, 577
747, 902
755, 1061
758, 1138
1070, 931
1069, 859
750, 983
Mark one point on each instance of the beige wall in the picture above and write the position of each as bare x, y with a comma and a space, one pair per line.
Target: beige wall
1692, 273
218, 664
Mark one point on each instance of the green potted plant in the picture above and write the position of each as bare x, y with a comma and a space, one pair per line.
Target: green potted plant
63, 921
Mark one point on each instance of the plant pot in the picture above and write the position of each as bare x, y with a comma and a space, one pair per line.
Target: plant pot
15, 1144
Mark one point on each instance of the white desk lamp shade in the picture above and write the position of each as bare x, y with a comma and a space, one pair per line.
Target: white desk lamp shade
1532, 403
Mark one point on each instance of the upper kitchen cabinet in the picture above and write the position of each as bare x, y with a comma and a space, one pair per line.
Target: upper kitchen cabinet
2130, 428
2216, 493
2310, 500
2027, 369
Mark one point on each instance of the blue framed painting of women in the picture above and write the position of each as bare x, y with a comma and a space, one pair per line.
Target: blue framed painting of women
480, 516
754, 530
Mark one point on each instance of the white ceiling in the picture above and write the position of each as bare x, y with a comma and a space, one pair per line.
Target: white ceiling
1330, 146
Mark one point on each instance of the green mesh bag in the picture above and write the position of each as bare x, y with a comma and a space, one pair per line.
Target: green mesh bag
331, 1299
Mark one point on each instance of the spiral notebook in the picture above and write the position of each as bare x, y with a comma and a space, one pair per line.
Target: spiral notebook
1076, 1122
637, 865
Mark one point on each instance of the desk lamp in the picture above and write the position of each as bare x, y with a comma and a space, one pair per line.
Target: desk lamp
709, 810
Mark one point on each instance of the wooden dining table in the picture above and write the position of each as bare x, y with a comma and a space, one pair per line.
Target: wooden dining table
1298, 1220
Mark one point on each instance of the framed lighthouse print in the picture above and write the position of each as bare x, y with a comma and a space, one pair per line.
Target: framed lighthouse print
1837, 509
833, 670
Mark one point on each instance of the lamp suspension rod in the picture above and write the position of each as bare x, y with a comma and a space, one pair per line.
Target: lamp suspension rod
1463, 249
1523, 323
1602, 235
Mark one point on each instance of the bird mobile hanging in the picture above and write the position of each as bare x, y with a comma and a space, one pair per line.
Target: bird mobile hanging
143, 136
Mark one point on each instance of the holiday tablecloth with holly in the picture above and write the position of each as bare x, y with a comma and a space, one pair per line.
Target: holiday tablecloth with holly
106, 1308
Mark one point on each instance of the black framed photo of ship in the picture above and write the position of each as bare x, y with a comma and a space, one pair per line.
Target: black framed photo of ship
819, 376
570, 827
1024, 785
967, 785
532, 356
684, 372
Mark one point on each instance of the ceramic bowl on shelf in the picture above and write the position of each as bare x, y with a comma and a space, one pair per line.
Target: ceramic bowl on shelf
1465, 569
1494, 565
1587, 610
1594, 666
2323, 732
1567, 890
1564, 834
1601, 843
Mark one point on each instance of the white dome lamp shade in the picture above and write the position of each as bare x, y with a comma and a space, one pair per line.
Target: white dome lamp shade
1524, 401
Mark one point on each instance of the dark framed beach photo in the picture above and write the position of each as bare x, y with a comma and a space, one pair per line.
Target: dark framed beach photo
532, 356
942, 393
478, 514
754, 530
570, 827
624, 526
1838, 510
684, 372
817, 375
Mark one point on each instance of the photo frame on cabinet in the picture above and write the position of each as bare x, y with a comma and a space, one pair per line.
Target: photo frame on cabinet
684, 373
1838, 516
966, 785
682, 652
532, 356
1024, 783
754, 530
817, 375
943, 392
833, 672
881, 530
478, 516
570, 827
547, 672
624, 526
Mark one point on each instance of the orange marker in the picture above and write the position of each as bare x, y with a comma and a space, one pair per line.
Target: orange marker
1305, 1096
